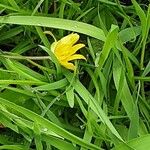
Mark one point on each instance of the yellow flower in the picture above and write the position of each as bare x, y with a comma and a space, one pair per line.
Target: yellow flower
65, 50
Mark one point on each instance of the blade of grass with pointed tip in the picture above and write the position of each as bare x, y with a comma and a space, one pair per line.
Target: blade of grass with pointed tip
13, 4
109, 43
8, 7
129, 34
127, 100
52, 86
141, 15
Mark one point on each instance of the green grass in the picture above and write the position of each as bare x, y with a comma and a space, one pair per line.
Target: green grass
104, 104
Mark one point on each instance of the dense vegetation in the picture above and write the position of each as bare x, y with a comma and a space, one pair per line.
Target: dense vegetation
103, 104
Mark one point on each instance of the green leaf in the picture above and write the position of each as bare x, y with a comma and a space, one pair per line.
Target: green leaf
52, 86
126, 99
55, 23
129, 34
108, 45
70, 96
141, 143
61, 144
13, 147
141, 15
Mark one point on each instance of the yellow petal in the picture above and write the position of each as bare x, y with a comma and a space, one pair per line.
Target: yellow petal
70, 39
75, 48
67, 51
76, 56
64, 46
62, 50
68, 65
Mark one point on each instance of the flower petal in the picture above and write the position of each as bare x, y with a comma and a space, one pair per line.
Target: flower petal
75, 48
75, 56
68, 65
66, 51
70, 39
65, 45
62, 50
